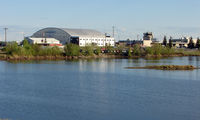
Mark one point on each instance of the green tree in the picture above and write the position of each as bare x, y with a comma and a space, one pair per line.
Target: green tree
165, 41
129, 52
72, 50
170, 42
28, 50
157, 49
136, 50
198, 43
191, 43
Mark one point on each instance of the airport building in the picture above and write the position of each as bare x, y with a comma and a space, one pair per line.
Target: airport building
148, 39
82, 37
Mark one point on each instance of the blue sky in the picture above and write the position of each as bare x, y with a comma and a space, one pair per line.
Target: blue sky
130, 17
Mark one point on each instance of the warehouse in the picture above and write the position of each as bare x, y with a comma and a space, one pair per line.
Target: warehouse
82, 37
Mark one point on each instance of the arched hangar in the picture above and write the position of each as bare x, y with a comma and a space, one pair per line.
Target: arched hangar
82, 37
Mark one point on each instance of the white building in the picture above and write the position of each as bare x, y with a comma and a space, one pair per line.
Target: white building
44, 41
98, 41
82, 37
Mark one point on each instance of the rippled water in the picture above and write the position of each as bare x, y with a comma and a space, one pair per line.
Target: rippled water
99, 90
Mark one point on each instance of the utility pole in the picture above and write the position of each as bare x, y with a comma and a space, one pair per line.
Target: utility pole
5, 34
113, 31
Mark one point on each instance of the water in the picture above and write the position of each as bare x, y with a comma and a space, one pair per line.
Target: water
99, 90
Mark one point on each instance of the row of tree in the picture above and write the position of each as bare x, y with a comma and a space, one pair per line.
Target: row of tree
69, 50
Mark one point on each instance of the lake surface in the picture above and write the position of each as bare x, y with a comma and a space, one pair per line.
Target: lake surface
99, 90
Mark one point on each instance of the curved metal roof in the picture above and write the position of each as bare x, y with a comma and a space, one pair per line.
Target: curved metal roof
71, 32
83, 32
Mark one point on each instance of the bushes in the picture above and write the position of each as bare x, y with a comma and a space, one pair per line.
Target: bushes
49, 51
36, 50
31, 50
12, 49
136, 50
154, 50
167, 51
87, 51
129, 52
149, 51
157, 49
75, 50
97, 51
72, 50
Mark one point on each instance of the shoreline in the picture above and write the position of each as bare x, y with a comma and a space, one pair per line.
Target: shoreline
38, 58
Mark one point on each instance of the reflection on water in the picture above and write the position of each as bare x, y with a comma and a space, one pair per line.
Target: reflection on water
99, 89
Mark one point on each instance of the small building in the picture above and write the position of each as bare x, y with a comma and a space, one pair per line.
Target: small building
182, 42
44, 41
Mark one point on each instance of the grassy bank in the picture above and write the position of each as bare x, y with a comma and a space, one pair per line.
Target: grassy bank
159, 50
